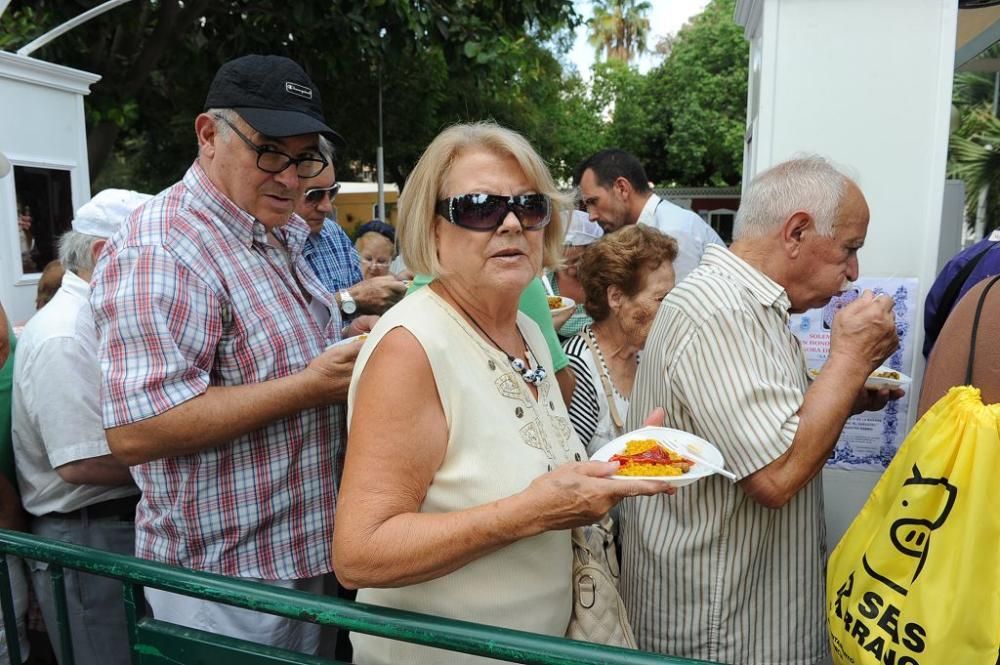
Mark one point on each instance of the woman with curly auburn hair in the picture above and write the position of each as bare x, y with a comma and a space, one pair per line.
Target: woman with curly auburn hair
625, 275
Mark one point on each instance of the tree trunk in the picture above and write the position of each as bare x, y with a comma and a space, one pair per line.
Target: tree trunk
984, 195
100, 141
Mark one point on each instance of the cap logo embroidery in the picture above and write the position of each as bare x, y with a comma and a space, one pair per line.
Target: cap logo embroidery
298, 90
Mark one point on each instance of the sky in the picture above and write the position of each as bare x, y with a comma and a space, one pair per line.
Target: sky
666, 18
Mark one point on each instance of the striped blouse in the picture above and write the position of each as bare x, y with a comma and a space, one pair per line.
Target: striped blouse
589, 410
709, 573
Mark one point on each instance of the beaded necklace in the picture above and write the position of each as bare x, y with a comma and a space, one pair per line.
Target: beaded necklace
533, 376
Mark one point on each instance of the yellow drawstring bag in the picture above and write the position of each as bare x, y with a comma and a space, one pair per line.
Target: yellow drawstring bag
916, 578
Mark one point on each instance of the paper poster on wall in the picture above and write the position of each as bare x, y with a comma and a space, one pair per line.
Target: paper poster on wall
870, 439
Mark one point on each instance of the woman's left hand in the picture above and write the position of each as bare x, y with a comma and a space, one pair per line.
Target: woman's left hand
581, 493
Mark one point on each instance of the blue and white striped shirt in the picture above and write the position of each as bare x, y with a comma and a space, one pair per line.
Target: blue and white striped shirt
333, 258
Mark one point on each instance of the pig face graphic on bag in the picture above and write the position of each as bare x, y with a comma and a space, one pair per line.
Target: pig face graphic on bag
925, 505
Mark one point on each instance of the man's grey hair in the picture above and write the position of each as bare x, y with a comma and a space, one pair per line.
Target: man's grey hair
326, 149
809, 183
221, 128
75, 252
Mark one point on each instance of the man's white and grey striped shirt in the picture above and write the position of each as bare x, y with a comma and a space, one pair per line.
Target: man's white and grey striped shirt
709, 573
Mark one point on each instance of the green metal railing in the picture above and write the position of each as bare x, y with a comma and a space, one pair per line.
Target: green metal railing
159, 643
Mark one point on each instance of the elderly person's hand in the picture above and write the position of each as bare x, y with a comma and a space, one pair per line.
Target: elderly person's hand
332, 370
581, 494
875, 399
360, 325
865, 331
377, 294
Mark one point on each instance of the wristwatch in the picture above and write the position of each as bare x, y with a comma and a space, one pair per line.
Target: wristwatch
347, 304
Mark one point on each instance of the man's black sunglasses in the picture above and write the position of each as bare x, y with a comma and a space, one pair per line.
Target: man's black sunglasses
316, 194
486, 212
275, 161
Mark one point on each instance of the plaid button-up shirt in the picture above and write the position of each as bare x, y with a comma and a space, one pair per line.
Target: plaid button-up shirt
189, 294
333, 258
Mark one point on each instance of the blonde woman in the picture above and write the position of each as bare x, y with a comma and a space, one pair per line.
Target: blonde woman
456, 501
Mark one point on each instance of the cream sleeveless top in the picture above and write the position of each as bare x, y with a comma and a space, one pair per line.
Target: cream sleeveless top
500, 438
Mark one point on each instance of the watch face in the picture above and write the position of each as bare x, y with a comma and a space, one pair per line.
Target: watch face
347, 304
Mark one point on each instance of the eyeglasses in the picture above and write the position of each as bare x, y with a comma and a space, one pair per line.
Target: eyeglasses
275, 161
486, 212
315, 195
378, 263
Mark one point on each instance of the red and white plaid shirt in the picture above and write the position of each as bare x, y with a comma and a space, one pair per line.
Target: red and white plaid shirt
189, 294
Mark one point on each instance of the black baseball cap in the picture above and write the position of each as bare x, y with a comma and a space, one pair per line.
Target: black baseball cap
273, 94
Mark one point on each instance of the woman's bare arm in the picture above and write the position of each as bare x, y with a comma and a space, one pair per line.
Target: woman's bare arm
393, 452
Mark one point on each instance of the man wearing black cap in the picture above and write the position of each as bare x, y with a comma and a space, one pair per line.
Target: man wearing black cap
216, 388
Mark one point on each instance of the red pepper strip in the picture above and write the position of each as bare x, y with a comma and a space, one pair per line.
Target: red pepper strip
656, 455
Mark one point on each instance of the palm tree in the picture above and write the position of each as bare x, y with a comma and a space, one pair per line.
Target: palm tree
619, 28
975, 159
974, 154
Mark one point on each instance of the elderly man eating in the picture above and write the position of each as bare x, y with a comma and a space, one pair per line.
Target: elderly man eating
733, 572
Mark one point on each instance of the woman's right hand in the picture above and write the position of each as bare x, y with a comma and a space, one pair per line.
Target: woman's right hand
581, 493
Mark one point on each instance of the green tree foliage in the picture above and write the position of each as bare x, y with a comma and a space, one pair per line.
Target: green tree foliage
974, 151
976, 159
686, 118
619, 28
442, 61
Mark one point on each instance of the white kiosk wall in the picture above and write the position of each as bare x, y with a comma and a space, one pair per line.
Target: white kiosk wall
42, 133
868, 85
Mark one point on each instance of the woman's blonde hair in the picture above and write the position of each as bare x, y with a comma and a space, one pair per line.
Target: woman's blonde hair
415, 228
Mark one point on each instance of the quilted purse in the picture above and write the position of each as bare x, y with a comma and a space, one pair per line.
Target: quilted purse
598, 611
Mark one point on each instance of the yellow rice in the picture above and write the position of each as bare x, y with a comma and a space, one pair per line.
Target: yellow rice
639, 469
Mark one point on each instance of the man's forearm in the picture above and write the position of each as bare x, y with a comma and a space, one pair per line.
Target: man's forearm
214, 418
103, 470
827, 406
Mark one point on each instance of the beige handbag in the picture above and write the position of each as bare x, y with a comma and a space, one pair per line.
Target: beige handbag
598, 611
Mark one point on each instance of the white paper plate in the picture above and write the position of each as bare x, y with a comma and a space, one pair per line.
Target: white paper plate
683, 443
875, 381
349, 340
567, 303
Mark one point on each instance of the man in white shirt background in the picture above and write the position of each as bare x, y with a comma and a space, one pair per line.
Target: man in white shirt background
616, 192
71, 486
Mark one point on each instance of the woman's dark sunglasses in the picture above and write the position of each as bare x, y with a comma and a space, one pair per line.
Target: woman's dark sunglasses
486, 212
316, 194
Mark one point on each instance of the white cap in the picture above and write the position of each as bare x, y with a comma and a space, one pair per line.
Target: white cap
581, 230
102, 215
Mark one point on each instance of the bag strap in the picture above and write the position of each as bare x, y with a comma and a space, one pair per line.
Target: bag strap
975, 329
950, 295
606, 384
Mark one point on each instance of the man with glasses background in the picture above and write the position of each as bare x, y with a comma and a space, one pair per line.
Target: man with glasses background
332, 256
216, 388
